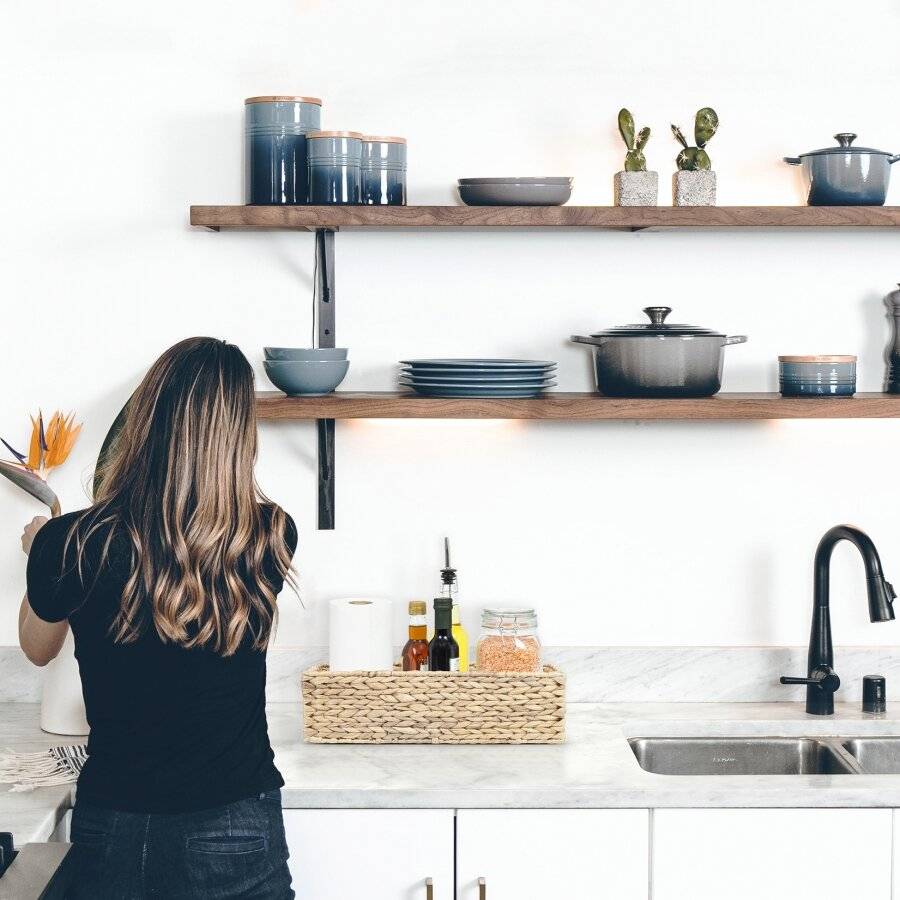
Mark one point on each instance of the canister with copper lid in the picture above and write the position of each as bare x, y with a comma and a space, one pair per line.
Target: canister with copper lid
823, 375
275, 129
334, 166
383, 170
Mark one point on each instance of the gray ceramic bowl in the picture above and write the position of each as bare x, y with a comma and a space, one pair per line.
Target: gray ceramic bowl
516, 194
307, 377
282, 353
521, 179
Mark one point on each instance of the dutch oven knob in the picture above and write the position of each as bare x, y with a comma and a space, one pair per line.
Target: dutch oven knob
845, 138
657, 313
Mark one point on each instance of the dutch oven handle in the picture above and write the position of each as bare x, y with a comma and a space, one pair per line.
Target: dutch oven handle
735, 339
893, 159
792, 160
580, 339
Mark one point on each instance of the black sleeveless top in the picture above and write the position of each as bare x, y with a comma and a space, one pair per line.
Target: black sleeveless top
172, 730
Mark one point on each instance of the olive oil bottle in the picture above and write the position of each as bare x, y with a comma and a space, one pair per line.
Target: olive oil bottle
443, 651
450, 589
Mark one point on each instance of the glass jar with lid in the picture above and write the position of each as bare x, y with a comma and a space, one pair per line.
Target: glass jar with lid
508, 641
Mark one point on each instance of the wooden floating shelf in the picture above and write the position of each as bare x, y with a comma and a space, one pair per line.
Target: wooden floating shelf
575, 406
616, 218
326, 220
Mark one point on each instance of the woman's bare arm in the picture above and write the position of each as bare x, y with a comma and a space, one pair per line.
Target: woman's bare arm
40, 641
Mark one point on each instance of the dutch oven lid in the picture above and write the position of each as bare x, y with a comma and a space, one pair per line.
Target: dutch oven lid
844, 139
656, 326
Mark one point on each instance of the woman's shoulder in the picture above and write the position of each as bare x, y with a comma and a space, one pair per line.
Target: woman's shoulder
272, 512
85, 533
56, 531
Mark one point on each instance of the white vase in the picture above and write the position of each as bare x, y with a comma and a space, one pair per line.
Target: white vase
62, 703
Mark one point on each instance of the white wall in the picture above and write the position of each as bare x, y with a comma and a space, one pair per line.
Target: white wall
118, 116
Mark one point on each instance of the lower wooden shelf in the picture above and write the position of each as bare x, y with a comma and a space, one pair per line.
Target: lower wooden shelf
574, 406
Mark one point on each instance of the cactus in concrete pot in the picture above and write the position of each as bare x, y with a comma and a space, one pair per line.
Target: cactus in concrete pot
696, 159
634, 186
634, 158
694, 184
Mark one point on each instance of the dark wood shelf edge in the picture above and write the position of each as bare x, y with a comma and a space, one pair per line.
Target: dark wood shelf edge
310, 218
575, 406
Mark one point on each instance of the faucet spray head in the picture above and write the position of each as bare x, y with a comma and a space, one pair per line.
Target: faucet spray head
881, 598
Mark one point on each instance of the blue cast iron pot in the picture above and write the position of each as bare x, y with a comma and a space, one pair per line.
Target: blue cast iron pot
845, 175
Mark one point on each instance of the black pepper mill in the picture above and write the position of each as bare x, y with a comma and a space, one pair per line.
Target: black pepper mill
893, 374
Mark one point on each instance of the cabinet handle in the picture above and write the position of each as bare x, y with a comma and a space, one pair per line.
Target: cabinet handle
482, 889
429, 889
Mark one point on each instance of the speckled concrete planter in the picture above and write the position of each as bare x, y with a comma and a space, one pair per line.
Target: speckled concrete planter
635, 188
694, 188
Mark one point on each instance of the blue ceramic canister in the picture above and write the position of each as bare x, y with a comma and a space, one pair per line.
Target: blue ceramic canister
383, 171
334, 166
275, 130
817, 376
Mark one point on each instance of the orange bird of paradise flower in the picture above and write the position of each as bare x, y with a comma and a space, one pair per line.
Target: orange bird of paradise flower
48, 449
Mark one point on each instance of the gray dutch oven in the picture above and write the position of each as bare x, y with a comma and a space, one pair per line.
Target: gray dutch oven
656, 359
845, 175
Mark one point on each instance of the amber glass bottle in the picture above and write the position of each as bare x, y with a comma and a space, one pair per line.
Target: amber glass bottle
415, 652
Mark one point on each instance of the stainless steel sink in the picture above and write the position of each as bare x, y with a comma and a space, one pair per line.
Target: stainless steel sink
746, 756
876, 755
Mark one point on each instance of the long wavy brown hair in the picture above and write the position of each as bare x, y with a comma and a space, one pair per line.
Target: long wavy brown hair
207, 547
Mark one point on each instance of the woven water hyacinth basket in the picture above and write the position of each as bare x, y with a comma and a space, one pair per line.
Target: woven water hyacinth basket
434, 707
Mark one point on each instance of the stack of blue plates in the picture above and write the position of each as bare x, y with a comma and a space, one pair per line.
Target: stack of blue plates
477, 377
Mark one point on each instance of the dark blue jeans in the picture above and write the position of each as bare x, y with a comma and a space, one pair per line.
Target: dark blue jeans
233, 851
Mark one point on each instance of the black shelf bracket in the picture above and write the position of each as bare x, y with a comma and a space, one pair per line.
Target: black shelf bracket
324, 329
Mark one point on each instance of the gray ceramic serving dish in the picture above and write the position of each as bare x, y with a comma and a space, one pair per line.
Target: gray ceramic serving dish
306, 377
497, 393
480, 363
288, 353
515, 193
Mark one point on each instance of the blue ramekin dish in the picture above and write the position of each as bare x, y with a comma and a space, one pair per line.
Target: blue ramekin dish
817, 376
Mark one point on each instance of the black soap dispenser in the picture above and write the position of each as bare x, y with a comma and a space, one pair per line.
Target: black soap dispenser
874, 694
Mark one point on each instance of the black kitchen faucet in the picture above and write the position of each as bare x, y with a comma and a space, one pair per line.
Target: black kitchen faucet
822, 681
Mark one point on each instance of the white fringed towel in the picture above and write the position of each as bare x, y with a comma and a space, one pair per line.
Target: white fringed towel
55, 765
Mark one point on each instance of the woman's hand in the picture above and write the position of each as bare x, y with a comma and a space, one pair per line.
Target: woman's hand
31, 529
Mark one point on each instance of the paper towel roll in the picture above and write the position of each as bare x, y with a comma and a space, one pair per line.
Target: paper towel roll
359, 635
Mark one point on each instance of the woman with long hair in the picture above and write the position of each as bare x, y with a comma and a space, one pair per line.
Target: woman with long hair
169, 584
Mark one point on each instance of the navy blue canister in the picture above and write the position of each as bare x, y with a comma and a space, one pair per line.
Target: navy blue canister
817, 376
275, 130
334, 166
383, 171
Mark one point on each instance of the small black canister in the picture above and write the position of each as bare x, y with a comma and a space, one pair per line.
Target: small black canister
275, 130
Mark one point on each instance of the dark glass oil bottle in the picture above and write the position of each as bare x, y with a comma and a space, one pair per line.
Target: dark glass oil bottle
415, 651
443, 651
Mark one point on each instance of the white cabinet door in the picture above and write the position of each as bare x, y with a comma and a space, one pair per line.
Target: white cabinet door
776, 854
345, 854
551, 854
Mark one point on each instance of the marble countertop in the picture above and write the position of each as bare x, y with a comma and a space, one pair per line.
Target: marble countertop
33, 815
594, 768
